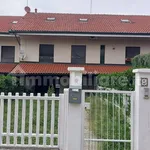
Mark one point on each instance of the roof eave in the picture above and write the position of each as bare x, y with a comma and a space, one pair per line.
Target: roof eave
82, 34
6, 34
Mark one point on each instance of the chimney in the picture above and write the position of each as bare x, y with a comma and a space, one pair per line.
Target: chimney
36, 10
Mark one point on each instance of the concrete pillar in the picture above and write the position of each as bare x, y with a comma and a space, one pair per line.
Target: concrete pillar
72, 114
141, 123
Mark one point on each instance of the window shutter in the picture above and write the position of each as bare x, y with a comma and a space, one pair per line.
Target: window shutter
46, 53
78, 54
8, 54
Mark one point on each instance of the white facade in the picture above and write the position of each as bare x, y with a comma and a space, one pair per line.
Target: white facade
114, 47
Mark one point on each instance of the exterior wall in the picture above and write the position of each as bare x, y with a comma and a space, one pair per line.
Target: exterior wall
31, 48
114, 56
10, 41
114, 48
62, 48
93, 53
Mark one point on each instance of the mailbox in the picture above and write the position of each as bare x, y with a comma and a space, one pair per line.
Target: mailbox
75, 96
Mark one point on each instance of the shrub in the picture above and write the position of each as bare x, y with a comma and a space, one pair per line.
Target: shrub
118, 81
10, 84
50, 91
124, 80
141, 61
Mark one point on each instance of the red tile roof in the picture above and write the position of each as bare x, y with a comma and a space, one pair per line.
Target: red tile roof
6, 68
36, 22
6, 23
36, 68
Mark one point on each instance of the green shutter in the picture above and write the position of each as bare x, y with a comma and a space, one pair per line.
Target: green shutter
102, 54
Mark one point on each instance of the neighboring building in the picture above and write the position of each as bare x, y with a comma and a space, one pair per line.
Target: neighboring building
44, 44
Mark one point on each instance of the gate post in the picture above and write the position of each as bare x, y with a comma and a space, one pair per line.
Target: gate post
141, 124
73, 108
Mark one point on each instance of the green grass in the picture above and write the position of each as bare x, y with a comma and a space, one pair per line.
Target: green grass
49, 103
107, 120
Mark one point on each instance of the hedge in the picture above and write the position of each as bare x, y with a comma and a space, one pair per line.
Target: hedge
119, 81
141, 61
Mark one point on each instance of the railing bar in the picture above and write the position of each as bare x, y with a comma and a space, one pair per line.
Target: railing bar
93, 134
37, 122
107, 117
30, 122
27, 134
101, 118
125, 120
107, 140
16, 122
23, 120
112, 91
94, 119
8, 121
60, 113
113, 120
33, 98
1, 120
27, 146
96, 112
90, 117
119, 118
132, 122
45, 122
52, 122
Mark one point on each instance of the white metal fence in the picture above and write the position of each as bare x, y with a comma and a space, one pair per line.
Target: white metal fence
29, 121
108, 120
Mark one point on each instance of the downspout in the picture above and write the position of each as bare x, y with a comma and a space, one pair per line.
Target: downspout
18, 41
17, 38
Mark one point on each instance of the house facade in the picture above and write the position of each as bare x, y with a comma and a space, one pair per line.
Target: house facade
44, 44
100, 51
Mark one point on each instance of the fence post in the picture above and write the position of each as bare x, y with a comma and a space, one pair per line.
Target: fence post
71, 114
1, 121
61, 122
141, 125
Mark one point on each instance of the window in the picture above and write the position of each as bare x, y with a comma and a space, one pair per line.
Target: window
131, 52
7, 54
78, 54
46, 53
102, 54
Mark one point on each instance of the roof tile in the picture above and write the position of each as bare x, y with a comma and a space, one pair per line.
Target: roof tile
6, 22
35, 68
36, 22
7, 68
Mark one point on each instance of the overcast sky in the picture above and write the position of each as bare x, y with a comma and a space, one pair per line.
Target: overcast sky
16, 7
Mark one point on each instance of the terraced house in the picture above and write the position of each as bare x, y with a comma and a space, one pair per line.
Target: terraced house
46, 44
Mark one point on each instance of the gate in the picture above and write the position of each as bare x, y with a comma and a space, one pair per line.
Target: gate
108, 121
29, 121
